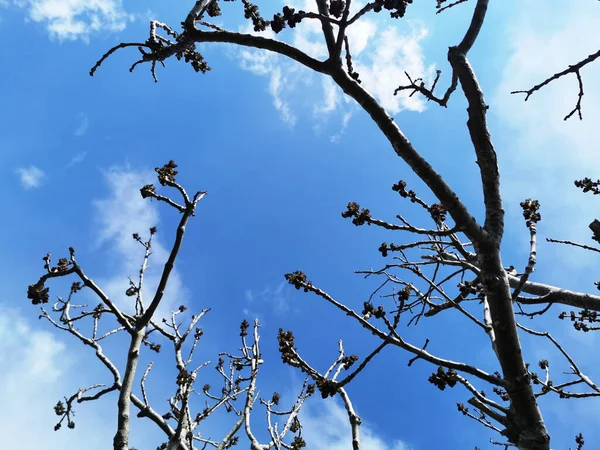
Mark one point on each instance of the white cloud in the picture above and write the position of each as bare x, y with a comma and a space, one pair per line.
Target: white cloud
83, 126
360, 34
34, 366
544, 153
117, 217
76, 19
381, 54
31, 177
326, 427
382, 67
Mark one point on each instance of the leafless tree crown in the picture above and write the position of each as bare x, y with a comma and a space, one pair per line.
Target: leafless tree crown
454, 263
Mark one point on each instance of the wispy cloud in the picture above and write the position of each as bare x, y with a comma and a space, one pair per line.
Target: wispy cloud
271, 299
76, 19
83, 126
119, 215
30, 177
268, 64
275, 89
79, 157
326, 427
345, 121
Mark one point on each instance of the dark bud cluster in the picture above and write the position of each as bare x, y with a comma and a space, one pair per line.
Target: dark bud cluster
404, 294
289, 18
166, 173
38, 293
148, 191
213, 10
244, 328
232, 442
286, 347
530, 211
295, 426
353, 74
62, 266
98, 310
397, 8
579, 441
298, 280
348, 361
384, 248
369, 310
328, 388
581, 319
297, 443
76, 287
251, 12
46, 261
469, 288
184, 378
359, 216
438, 213
587, 185
548, 387
462, 408
154, 347
132, 290
400, 188
275, 398
441, 378
195, 59
336, 8
501, 393
59, 409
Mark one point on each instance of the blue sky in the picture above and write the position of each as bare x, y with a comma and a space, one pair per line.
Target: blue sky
281, 153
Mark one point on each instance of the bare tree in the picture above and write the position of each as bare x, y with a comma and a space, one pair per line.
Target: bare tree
456, 251
237, 371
